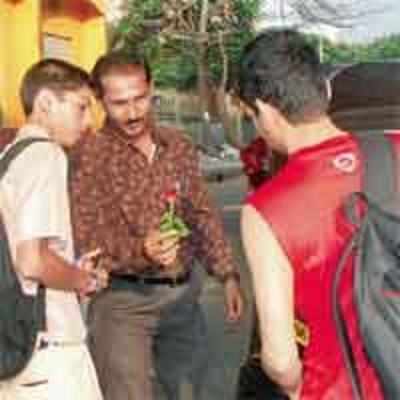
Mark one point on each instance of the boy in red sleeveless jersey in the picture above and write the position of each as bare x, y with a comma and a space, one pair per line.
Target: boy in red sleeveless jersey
292, 227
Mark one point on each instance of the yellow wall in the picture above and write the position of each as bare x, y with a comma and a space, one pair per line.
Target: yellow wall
92, 42
24, 48
22, 24
19, 46
4, 18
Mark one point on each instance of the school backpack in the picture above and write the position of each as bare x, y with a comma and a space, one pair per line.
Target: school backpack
21, 316
375, 246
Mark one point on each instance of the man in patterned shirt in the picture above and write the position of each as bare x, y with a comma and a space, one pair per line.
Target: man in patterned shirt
122, 179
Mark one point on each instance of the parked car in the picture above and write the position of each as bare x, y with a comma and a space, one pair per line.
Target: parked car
217, 166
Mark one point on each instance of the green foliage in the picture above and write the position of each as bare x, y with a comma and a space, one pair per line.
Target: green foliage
382, 49
386, 48
174, 72
174, 61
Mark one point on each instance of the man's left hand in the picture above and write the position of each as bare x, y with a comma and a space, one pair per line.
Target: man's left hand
234, 303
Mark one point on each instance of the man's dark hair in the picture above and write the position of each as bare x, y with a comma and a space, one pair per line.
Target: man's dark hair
56, 75
282, 68
117, 62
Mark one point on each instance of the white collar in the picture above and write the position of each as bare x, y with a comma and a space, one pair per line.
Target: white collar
32, 130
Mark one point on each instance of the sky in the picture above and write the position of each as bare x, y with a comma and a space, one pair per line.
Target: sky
384, 20
381, 17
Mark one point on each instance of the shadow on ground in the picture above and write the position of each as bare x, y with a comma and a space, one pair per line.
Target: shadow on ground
228, 344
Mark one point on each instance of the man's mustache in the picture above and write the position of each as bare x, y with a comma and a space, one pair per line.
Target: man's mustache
133, 121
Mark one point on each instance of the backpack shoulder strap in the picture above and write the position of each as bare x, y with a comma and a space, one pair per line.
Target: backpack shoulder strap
11, 153
379, 181
15, 150
379, 185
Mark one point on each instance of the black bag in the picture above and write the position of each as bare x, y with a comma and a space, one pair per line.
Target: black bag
21, 316
376, 250
253, 383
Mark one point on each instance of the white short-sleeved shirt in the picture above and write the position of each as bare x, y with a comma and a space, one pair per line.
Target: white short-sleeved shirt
34, 203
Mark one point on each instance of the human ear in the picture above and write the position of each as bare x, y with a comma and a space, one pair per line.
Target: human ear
151, 87
264, 109
328, 86
45, 101
269, 115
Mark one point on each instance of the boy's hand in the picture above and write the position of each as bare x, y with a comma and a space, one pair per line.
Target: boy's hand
89, 260
97, 276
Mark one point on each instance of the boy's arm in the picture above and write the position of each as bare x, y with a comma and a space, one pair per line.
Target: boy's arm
41, 210
274, 294
37, 262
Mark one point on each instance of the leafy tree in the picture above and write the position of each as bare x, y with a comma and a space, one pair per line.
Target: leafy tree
386, 48
382, 49
191, 43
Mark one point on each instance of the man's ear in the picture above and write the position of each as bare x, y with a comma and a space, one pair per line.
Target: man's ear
328, 86
44, 101
265, 110
271, 115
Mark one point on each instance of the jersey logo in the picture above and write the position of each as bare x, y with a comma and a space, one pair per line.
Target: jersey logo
345, 162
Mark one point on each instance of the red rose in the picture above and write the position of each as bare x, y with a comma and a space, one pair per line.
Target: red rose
170, 196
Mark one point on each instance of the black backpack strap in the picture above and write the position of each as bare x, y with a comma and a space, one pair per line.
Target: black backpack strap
379, 181
14, 150
11, 153
379, 185
340, 322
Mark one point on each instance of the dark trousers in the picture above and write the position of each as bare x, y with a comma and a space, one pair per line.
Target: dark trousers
139, 333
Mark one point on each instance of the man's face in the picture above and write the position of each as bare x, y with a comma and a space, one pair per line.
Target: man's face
127, 101
70, 116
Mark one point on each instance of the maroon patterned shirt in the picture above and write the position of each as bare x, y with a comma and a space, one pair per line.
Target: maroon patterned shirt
118, 196
7, 135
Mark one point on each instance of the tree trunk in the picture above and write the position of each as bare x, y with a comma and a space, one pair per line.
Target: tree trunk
228, 115
202, 69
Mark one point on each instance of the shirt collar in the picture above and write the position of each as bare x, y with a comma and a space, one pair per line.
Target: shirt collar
33, 130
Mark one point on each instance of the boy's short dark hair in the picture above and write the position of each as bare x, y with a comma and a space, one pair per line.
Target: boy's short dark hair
56, 75
116, 62
282, 68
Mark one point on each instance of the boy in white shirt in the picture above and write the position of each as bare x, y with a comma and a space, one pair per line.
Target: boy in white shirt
34, 203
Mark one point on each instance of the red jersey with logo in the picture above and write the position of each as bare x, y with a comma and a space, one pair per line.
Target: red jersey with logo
303, 206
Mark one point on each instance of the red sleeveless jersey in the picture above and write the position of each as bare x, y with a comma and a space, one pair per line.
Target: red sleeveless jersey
302, 204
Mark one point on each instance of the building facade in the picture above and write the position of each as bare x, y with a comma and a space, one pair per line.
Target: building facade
30, 30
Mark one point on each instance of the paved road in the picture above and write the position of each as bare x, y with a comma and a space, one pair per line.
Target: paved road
228, 343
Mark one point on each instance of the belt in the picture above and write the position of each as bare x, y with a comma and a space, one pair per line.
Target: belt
44, 343
152, 280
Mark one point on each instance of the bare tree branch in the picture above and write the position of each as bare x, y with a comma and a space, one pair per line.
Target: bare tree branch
203, 17
336, 13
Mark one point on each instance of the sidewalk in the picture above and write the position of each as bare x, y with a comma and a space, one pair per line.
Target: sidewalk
228, 343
